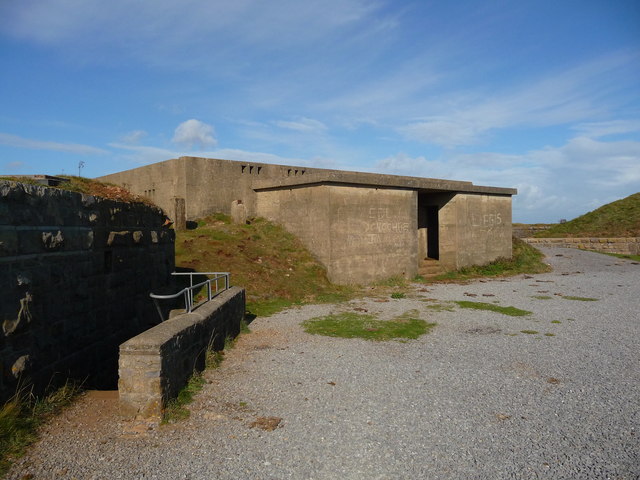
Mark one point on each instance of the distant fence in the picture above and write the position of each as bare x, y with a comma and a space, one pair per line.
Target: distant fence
622, 245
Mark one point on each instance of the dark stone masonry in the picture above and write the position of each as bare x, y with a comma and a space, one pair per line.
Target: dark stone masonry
75, 276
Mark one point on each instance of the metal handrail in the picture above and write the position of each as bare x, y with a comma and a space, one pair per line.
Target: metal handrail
187, 292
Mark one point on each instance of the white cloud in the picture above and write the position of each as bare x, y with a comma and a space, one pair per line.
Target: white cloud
303, 125
21, 142
552, 183
194, 133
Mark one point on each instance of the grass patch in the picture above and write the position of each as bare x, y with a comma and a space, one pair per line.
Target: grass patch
580, 299
397, 295
439, 307
556, 321
21, 416
511, 311
616, 219
272, 264
542, 297
354, 325
525, 259
530, 332
622, 255
549, 334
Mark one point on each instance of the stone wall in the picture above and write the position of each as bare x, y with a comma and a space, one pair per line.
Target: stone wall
155, 365
75, 276
624, 246
527, 231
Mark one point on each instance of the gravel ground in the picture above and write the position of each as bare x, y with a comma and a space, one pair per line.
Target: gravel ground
473, 399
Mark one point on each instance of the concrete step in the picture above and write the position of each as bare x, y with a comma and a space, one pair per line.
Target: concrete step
430, 267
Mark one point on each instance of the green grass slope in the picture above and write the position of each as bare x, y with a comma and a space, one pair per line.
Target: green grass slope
617, 219
273, 265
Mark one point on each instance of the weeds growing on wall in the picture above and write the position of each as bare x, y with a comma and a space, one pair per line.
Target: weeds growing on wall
21, 416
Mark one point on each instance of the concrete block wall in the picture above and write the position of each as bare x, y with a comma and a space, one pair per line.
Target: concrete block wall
361, 234
623, 245
75, 276
155, 365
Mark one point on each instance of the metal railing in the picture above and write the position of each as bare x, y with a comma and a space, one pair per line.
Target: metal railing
212, 285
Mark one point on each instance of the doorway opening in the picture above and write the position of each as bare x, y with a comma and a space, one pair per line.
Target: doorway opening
428, 226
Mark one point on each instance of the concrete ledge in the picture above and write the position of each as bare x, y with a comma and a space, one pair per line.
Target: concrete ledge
622, 245
155, 365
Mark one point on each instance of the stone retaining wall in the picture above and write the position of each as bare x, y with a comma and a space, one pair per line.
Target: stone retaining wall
75, 276
526, 231
155, 365
624, 246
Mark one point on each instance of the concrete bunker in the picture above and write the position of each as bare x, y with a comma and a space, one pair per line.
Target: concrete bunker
362, 227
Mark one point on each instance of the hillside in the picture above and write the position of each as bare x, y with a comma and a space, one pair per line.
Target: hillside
616, 219
272, 264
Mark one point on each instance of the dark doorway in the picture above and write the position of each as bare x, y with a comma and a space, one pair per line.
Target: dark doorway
433, 249
428, 219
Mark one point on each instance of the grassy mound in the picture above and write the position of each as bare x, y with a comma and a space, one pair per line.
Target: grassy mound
616, 219
273, 265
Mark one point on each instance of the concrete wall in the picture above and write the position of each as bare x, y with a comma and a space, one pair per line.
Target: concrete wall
328, 210
360, 234
624, 246
155, 365
207, 184
475, 229
75, 276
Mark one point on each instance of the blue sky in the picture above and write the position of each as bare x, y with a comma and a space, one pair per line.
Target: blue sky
543, 96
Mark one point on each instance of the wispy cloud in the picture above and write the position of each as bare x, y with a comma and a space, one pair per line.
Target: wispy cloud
577, 94
303, 125
164, 31
564, 182
612, 127
134, 136
21, 142
14, 166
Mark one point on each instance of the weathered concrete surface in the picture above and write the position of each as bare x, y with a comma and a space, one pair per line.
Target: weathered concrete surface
623, 245
475, 230
464, 224
75, 277
209, 185
360, 234
156, 364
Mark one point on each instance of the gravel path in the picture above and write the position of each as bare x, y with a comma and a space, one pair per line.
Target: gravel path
475, 398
